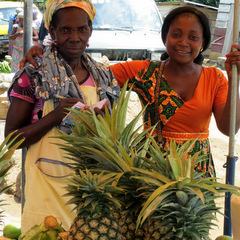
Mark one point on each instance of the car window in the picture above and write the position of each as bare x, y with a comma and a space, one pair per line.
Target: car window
126, 14
6, 13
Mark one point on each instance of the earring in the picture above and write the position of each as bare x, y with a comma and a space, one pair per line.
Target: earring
201, 50
55, 43
88, 44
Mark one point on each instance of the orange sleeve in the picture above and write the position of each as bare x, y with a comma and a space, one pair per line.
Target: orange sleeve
126, 71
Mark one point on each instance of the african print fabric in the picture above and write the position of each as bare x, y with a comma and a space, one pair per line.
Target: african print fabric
180, 121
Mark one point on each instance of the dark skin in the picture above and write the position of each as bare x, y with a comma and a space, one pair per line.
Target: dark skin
72, 37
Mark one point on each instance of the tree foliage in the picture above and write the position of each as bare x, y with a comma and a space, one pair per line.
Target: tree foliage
213, 3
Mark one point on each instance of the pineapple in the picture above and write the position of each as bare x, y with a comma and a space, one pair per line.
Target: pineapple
180, 203
96, 204
107, 144
6, 151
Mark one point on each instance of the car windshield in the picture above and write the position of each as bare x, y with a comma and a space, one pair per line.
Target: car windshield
126, 15
5, 13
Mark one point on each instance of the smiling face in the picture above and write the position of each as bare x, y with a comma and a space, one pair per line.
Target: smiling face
185, 38
71, 30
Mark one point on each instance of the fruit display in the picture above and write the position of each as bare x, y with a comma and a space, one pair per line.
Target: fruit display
125, 187
145, 192
49, 229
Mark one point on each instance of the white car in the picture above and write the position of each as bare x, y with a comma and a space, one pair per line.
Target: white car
126, 30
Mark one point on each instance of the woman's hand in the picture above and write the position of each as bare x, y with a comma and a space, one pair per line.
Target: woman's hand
233, 58
36, 50
222, 112
60, 111
101, 111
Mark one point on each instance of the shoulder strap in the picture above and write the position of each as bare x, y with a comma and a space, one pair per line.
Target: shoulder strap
156, 96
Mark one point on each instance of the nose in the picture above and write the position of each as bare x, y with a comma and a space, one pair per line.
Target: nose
75, 35
184, 40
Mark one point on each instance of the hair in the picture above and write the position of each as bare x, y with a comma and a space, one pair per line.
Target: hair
54, 21
202, 19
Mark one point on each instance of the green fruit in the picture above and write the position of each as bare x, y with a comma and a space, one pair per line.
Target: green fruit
11, 231
182, 197
224, 237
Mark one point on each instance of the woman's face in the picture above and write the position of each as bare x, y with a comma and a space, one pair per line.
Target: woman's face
185, 38
72, 32
20, 22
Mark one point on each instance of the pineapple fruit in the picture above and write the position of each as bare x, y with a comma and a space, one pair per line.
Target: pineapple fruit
180, 203
151, 195
96, 204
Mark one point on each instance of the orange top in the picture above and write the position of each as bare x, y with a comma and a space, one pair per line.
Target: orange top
194, 115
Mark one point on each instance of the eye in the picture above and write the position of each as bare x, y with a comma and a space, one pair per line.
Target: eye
65, 30
194, 37
175, 35
84, 29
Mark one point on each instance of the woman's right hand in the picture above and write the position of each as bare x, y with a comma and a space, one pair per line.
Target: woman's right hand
36, 50
60, 111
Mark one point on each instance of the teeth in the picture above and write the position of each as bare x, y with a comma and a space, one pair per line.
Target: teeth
181, 51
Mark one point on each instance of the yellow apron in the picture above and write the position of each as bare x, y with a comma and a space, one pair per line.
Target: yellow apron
46, 171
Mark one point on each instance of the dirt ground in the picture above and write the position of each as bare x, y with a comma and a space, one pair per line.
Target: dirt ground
219, 144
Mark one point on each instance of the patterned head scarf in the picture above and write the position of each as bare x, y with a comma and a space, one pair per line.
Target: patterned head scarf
52, 6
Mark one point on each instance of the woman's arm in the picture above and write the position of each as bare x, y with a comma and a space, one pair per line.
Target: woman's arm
35, 35
127, 70
14, 34
222, 112
19, 115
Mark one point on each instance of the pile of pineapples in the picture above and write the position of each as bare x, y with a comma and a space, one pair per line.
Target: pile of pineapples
125, 187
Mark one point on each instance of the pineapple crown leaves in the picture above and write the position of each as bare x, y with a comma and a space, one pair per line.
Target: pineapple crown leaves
7, 149
94, 193
111, 127
8, 146
107, 141
182, 164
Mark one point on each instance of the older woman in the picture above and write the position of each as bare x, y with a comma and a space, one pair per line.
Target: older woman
66, 75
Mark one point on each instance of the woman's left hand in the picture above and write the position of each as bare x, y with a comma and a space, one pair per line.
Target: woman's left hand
98, 111
233, 58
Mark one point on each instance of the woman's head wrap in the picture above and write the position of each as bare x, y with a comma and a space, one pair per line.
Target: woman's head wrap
20, 15
52, 6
